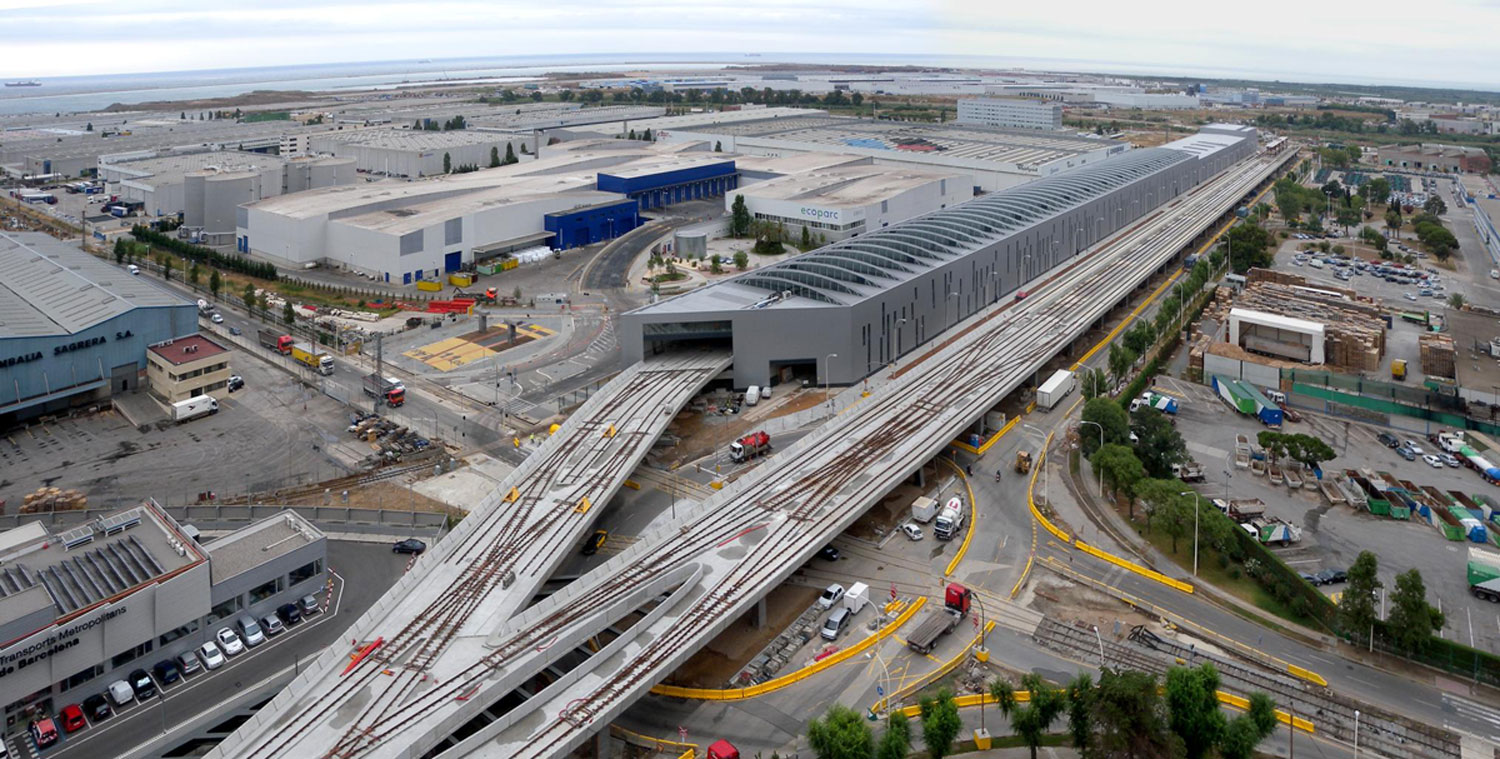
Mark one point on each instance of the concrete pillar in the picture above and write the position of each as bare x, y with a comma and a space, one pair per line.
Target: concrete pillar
759, 620
601, 744
920, 477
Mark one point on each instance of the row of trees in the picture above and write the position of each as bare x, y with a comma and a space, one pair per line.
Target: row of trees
197, 253
497, 161
1411, 622
1125, 715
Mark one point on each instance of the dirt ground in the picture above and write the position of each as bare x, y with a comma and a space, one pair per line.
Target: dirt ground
386, 494
721, 659
1068, 602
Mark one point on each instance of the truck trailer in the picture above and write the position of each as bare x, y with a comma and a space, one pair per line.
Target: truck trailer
1484, 574
276, 341
312, 356
193, 408
923, 509
750, 446
388, 389
1055, 388
956, 600
1163, 403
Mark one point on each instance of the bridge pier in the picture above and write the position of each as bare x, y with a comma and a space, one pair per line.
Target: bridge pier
759, 618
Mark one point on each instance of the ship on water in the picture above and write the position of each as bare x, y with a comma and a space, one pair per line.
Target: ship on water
27, 83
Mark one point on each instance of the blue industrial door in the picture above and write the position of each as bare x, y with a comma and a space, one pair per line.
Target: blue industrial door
453, 261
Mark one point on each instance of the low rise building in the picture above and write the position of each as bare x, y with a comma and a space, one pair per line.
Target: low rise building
186, 368
1435, 157
842, 201
413, 153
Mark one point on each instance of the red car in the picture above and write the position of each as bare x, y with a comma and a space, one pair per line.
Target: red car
72, 718
44, 732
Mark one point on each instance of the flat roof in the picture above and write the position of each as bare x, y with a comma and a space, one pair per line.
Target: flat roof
669, 163
847, 186
411, 139
1276, 320
1472, 332
51, 287
79, 567
249, 547
185, 350
178, 165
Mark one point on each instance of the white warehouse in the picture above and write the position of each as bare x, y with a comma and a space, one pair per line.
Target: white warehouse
847, 199
413, 153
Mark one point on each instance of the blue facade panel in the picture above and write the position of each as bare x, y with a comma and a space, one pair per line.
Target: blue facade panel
572, 229
39, 370
638, 184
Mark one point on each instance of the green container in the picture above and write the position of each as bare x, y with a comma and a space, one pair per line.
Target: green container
1400, 512
1380, 507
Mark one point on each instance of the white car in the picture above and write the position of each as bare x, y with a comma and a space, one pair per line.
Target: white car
830, 596
1433, 461
1417, 449
212, 657
911, 531
230, 642
121, 693
217, 318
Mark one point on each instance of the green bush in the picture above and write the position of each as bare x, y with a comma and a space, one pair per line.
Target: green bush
204, 255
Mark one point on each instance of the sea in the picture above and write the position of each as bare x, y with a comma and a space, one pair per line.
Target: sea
79, 94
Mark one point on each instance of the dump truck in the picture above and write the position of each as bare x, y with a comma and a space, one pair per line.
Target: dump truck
311, 355
276, 341
940, 622
924, 509
1189, 472
1484, 574
1273, 530
388, 389
193, 408
1164, 403
950, 521
750, 446
1023, 461
1055, 388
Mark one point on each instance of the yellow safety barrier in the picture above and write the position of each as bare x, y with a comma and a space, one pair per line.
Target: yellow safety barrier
943, 668
583, 506
609, 431
660, 744
514, 495
1243, 704
740, 694
632, 484
986, 445
1025, 573
1036, 469
716, 484
1149, 574
689, 754
972, 699
963, 547
1306, 674
1126, 321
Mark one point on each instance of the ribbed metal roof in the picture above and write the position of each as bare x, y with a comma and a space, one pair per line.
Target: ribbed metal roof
50, 287
849, 270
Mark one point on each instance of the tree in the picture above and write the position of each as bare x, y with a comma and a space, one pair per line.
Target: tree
1121, 358
1120, 469
120, 250
495, 156
1109, 415
840, 734
1435, 205
646, 135
739, 217
1170, 511
719, 148
215, 283
166, 267
1248, 244
741, 260
1378, 190
807, 242
1393, 221
1159, 444
1193, 708
447, 163
1139, 338
1080, 697
194, 272
896, 742
716, 263
1309, 450
89, 127
1346, 218
1457, 301
940, 724
249, 296
1032, 721
510, 155
1356, 610
1412, 620
263, 301
288, 315
1130, 718
1092, 383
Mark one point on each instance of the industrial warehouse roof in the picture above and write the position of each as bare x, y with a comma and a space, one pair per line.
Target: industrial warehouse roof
50, 287
851, 270
409, 139
848, 186
170, 168
252, 546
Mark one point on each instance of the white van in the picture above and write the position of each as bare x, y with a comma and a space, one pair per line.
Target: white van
133, 269
752, 395
835, 624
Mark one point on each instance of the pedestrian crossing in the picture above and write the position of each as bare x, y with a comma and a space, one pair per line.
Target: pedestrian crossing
605, 344
1479, 719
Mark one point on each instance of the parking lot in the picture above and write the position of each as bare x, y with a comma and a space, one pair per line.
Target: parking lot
1366, 277
1334, 535
270, 433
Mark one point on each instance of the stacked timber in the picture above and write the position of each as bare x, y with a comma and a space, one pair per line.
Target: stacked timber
53, 499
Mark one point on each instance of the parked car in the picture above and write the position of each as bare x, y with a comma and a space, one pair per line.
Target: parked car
410, 545
911, 531
229, 642
235, 331
593, 543
167, 672
120, 693
1388, 440
189, 664
829, 553
72, 719
250, 631
1433, 461
289, 614
1406, 453
212, 657
235, 382
1311, 579
1450, 460
271, 625
831, 596
1415, 447
309, 605
43, 732
97, 707
142, 684
1333, 576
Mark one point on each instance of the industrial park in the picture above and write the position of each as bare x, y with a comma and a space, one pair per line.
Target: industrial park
773, 407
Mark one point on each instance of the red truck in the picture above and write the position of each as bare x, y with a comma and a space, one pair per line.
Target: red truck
956, 600
750, 446
722, 749
276, 341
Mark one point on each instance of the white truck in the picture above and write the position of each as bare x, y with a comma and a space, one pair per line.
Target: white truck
856, 598
204, 307
193, 408
1058, 385
924, 509
752, 395
950, 521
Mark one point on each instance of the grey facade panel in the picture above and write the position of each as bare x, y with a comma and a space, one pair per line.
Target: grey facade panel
453, 231
411, 242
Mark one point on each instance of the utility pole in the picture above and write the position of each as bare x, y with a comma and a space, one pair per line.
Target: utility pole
379, 369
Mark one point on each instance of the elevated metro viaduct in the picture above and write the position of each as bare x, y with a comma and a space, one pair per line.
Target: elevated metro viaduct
839, 313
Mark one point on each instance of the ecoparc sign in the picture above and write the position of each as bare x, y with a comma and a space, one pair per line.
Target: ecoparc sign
59, 641
820, 214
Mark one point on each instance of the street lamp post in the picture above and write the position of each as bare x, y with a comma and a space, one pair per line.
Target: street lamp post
827, 368
1356, 734
1197, 507
1099, 638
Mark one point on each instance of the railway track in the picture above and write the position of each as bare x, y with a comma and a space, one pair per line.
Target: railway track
401, 702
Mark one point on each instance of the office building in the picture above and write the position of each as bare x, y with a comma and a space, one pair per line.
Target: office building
1010, 113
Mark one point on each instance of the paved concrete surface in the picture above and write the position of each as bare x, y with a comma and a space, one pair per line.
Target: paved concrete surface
464, 487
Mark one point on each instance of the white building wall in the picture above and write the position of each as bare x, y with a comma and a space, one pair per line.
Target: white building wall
1010, 113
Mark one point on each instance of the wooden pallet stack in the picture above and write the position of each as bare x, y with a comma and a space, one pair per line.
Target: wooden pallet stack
1438, 355
53, 499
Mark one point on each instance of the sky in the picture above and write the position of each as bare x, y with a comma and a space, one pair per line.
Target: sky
1439, 41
